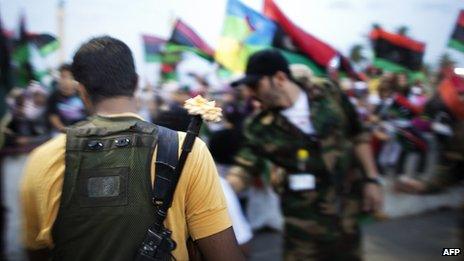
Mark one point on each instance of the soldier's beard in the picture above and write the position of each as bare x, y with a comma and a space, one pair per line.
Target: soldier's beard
274, 99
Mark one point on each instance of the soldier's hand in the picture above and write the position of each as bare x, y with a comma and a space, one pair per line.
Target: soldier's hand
373, 197
409, 185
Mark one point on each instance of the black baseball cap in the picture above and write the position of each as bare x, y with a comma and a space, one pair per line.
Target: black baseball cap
263, 63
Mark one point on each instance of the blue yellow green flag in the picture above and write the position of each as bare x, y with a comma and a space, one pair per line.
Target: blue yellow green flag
244, 32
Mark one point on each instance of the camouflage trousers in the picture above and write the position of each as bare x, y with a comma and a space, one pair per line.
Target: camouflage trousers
322, 226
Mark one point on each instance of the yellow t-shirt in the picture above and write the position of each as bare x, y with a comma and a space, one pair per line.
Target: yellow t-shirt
198, 208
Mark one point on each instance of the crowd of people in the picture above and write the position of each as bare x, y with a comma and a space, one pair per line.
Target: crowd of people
404, 116
265, 130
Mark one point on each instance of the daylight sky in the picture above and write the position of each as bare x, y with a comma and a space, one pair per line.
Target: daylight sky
340, 23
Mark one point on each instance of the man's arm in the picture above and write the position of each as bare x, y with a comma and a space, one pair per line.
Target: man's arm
56, 122
365, 155
52, 112
206, 208
248, 164
373, 195
30, 216
220, 246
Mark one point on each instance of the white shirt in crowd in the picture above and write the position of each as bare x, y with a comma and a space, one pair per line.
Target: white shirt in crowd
241, 226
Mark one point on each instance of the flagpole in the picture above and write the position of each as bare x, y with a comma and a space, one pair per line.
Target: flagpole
172, 19
61, 33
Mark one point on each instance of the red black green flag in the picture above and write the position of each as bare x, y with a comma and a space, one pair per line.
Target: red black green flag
183, 39
170, 57
396, 52
457, 38
185, 36
153, 47
301, 47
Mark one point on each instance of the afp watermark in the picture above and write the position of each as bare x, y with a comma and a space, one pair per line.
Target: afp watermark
451, 252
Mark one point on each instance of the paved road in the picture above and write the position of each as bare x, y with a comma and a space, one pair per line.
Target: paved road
420, 237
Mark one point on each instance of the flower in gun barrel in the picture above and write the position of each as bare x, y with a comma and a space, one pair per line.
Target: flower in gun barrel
206, 109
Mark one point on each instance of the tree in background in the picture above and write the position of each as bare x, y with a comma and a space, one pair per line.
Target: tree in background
446, 61
356, 55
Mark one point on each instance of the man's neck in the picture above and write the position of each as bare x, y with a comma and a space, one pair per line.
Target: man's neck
294, 92
116, 105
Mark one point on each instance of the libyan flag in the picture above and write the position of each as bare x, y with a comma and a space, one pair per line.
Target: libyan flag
457, 38
301, 47
188, 40
395, 52
183, 39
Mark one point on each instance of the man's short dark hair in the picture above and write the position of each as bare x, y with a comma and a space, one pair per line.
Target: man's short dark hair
65, 67
105, 66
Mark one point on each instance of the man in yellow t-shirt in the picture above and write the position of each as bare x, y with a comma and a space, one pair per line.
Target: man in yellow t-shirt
104, 69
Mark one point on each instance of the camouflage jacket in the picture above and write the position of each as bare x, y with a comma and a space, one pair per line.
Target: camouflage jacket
333, 208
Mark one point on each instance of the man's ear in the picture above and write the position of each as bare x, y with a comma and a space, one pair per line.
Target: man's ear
280, 77
136, 81
85, 97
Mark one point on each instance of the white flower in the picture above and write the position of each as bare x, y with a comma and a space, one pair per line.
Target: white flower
206, 109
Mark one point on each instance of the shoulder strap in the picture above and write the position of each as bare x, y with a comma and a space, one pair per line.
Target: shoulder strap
166, 162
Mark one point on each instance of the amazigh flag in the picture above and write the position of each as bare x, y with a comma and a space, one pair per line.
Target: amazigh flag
395, 52
184, 36
45, 43
301, 47
153, 47
457, 38
21, 57
244, 32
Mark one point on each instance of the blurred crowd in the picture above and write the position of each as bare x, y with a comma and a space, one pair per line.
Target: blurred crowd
405, 116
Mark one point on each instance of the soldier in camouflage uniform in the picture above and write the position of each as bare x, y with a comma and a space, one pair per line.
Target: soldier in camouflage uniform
321, 198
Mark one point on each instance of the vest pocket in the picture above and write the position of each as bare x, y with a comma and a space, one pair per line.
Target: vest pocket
103, 187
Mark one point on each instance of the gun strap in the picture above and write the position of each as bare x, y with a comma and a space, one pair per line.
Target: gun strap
166, 176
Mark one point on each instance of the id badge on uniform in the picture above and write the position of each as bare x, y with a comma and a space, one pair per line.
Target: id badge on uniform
301, 181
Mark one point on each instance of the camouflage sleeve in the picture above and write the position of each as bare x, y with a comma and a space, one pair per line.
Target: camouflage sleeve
249, 163
355, 127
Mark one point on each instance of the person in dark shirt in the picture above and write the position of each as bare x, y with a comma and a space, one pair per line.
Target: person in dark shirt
65, 105
172, 114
